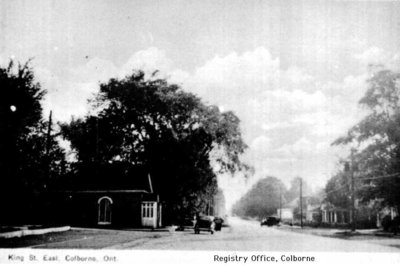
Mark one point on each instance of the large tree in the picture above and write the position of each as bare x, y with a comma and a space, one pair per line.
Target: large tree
149, 122
294, 190
377, 139
338, 190
262, 200
28, 158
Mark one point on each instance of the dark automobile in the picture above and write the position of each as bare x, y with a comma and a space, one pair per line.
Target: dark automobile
185, 223
218, 223
270, 221
204, 223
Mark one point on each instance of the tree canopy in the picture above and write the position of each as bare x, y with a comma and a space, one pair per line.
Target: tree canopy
338, 190
294, 190
262, 200
28, 157
180, 140
377, 138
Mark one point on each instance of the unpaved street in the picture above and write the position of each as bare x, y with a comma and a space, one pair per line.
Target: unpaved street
247, 235
240, 236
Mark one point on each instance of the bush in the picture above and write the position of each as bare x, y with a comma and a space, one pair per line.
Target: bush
366, 224
312, 224
396, 224
334, 225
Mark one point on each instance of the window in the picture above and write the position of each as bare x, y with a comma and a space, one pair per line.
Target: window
148, 209
105, 204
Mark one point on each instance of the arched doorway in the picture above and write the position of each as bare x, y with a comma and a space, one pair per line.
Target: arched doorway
105, 210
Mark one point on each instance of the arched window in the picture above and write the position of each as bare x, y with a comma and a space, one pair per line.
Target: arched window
105, 204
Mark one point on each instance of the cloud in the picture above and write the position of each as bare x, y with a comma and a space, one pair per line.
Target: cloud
276, 126
148, 60
295, 78
289, 117
248, 74
302, 149
260, 147
68, 96
65, 98
95, 70
100, 70
3, 61
373, 55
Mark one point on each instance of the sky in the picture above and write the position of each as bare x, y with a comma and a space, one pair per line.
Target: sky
292, 71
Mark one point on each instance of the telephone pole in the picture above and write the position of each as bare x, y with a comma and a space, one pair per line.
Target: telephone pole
301, 202
97, 157
353, 201
48, 137
48, 148
280, 203
349, 169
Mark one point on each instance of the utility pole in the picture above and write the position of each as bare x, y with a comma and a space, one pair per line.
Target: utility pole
349, 170
48, 147
48, 141
97, 140
97, 157
280, 203
353, 201
301, 202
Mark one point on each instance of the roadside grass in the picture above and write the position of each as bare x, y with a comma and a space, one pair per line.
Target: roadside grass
29, 241
80, 239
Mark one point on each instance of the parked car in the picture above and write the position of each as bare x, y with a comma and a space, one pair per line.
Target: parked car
270, 221
204, 223
185, 223
218, 223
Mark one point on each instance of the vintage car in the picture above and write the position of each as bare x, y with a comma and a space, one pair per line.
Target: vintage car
270, 221
204, 223
218, 223
185, 223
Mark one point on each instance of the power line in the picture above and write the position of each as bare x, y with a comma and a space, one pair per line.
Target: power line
350, 172
337, 189
364, 178
378, 177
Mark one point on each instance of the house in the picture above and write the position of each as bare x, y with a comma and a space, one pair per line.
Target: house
384, 212
367, 215
286, 213
114, 197
334, 215
313, 213
290, 211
